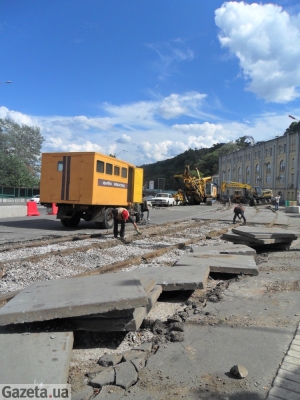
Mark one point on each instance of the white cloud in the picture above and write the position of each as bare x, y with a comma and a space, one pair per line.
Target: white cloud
266, 40
124, 139
170, 55
152, 138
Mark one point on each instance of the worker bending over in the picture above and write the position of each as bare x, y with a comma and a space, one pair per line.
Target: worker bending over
120, 216
239, 212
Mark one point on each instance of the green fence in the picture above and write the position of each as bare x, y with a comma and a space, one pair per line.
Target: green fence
11, 193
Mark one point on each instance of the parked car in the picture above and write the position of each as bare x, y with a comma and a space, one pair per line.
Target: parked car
149, 200
163, 199
36, 198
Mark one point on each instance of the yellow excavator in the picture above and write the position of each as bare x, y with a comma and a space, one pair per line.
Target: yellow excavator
254, 194
194, 190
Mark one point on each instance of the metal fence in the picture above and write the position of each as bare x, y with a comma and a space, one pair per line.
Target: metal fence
17, 194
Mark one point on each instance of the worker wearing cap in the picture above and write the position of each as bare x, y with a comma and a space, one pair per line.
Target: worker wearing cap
239, 212
121, 215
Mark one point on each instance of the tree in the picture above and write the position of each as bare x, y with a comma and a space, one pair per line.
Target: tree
20, 151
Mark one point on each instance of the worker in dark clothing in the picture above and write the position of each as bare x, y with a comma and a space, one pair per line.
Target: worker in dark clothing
145, 207
120, 216
239, 212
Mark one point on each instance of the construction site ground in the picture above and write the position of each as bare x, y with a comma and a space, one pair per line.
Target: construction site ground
245, 320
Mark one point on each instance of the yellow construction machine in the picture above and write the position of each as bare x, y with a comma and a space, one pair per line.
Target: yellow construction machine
244, 192
194, 190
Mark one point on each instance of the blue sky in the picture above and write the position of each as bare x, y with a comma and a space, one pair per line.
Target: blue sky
147, 80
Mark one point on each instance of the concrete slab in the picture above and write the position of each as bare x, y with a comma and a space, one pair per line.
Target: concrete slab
292, 209
130, 323
224, 249
172, 278
11, 211
35, 357
234, 237
266, 233
63, 298
225, 263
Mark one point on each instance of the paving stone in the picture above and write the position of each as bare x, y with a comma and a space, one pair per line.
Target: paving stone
290, 367
147, 347
293, 353
106, 377
138, 363
224, 249
281, 393
35, 357
85, 394
292, 360
110, 393
108, 360
289, 375
62, 298
226, 263
287, 384
126, 375
132, 354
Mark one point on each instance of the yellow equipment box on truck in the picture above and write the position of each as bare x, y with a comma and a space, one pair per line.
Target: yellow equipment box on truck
88, 185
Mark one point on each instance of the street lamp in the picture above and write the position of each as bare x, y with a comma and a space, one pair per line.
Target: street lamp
121, 152
293, 117
6, 82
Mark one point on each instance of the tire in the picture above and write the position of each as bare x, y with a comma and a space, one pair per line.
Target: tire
64, 222
108, 221
73, 222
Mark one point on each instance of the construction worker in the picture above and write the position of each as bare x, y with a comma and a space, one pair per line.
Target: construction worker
120, 216
239, 212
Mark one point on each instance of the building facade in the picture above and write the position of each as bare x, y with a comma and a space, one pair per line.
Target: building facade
273, 164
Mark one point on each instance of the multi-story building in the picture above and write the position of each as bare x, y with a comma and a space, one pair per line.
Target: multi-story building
273, 164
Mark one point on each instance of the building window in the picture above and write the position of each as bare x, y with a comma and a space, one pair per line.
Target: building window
268, 179
239, 175
247, 170
60, 166
279, 149
229, 175
257, 179
292, 180
268, 167
257, 168
109, 169
293, 163
124, 172
100, 166
282, 165
281, 179
248, 180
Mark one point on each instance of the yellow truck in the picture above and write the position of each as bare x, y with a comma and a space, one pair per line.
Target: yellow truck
87, 185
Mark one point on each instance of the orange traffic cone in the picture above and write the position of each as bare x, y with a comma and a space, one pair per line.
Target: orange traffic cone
32, 210
53, 210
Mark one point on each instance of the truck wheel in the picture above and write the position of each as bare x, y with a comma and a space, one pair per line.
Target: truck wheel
73, 222
108, 218
64, 222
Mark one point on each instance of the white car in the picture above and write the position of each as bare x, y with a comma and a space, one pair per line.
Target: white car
163, 199
36, 198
